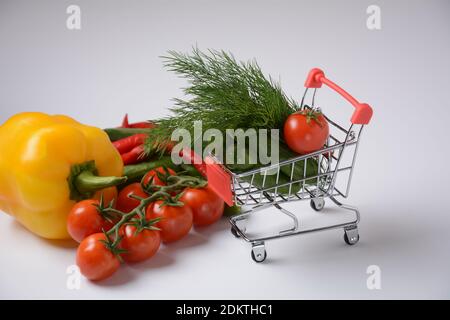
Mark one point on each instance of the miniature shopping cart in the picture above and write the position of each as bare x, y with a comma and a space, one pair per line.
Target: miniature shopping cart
335, 160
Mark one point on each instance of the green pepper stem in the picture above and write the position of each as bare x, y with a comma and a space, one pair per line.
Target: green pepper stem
87, 181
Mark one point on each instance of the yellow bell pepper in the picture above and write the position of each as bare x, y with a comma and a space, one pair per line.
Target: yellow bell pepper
47, 163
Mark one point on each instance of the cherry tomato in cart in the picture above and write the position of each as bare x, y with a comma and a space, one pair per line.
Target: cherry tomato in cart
306, 131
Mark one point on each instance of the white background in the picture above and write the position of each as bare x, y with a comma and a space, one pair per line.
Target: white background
111, 66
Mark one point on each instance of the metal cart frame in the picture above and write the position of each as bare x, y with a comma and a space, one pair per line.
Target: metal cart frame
253, 199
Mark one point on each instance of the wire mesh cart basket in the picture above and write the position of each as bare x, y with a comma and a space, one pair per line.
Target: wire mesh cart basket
332, 167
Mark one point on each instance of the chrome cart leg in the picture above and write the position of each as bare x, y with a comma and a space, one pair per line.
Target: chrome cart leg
235, 233
317, 204
259, 253
290, 215
351, 234
347, 207
239, 224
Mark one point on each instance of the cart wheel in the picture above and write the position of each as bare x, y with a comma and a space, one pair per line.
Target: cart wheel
259, 253
235, 233
351, 236
317, 204
260, 257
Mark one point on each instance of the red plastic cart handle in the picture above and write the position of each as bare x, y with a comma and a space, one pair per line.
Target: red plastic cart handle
363, 112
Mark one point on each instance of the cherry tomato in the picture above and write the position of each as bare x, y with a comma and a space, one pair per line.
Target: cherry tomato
95, 260
127, 204
85, 219
306, 131
140, 246
153, 174
109, 194
207, 207
176, 222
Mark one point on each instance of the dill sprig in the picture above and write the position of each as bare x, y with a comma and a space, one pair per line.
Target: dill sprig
223, 94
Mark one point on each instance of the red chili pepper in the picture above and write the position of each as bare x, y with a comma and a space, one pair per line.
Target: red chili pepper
134, 156
126, 144
125, 123
142, 124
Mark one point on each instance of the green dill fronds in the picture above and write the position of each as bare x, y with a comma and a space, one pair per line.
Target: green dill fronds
223, 94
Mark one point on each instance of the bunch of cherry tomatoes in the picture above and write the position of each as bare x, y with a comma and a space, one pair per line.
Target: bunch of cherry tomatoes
163, 207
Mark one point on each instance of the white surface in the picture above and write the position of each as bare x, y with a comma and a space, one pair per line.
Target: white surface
401, 178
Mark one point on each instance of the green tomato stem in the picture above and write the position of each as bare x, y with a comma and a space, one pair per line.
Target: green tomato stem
161, 193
